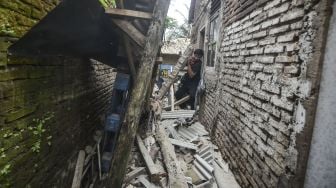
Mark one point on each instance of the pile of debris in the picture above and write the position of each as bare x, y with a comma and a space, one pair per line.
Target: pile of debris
88, 165
179, 154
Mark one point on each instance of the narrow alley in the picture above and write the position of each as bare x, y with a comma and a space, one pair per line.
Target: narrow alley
167, 93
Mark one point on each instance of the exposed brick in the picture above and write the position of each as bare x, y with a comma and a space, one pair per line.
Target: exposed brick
254, 29
264, 77
266, 59
256, 67
275, 69
292, 69
267, 41
294, 14
286, 38
275, 11
269, 23
255, 13
259, 34
287, 59
270, 88
252, 44
280, 29
257, 51
274, 49
282, 103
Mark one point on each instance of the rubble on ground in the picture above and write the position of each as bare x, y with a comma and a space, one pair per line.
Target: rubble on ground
195, 161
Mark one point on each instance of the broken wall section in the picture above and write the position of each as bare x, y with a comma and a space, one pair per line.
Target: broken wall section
260, 110
49, 106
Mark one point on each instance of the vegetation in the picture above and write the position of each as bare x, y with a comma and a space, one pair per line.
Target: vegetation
108, 3
173, 30
39, 130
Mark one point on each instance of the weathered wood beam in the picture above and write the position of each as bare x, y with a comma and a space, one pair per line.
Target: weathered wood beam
135, 173
127, 46
130, 31
176, 178
181, 63
129, 126
177, 103
152, 169
76, 182
128, 13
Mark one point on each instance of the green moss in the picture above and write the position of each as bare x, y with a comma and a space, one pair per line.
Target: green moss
4, 46
22, 61
3, 59
19, 113
14, 74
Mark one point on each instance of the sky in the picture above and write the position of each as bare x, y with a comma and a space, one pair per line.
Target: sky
177, 6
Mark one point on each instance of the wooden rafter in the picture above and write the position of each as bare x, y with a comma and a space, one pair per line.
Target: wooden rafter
130, 31
128, 13
120, 4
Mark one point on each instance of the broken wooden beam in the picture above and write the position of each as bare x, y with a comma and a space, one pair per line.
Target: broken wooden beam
138, 94
128, 13
152, 169
127, 47
176, 178
133, 174
143, 180
76, 182
177, 103
131, 31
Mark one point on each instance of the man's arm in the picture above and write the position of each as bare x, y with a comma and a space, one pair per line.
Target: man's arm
190, 71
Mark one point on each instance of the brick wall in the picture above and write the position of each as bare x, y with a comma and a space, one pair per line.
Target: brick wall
49, 106
256, 100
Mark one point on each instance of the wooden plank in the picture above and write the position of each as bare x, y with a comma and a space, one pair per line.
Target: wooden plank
128, 13
132, 32
172, 97
76, 182
128, 50
138, 94
183, 144
135, 173
176, 178
153, 170
145, 182
181, 101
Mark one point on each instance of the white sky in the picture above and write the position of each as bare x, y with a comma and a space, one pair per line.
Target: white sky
179, 5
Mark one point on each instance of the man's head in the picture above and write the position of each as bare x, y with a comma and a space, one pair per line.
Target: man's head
198, 53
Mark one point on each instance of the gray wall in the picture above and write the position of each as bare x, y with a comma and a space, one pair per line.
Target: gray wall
321, 171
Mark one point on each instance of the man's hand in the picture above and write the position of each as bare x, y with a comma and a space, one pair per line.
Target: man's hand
190, 71
191, 60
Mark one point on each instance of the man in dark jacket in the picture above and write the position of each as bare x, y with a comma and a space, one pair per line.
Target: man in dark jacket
190, 80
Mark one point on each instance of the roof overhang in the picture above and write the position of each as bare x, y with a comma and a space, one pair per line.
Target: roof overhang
74, 28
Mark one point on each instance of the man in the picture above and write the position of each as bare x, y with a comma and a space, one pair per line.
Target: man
190, 80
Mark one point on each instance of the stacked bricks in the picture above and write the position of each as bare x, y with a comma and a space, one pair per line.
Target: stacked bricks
259, 59
49, 106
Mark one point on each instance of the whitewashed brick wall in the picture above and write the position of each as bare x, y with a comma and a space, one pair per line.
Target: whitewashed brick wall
254, 111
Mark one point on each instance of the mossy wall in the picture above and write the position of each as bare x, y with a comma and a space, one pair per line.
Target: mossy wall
49, 106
